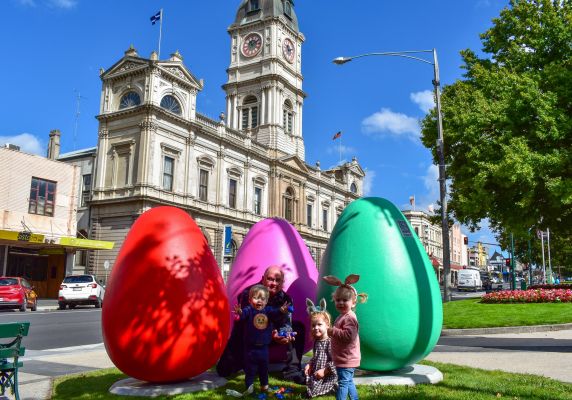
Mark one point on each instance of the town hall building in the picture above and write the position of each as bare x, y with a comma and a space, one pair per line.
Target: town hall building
156, 148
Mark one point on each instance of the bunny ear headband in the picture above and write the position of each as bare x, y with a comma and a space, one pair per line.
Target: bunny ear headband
350, 279
311, 308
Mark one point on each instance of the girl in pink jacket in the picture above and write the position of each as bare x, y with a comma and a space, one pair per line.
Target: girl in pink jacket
345, 335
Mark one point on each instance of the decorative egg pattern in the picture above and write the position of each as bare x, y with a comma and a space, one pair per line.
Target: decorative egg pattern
402, 319
165, 317
274, 241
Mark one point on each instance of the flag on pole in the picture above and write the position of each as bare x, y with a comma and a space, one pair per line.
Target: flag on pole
155, 18
337, 135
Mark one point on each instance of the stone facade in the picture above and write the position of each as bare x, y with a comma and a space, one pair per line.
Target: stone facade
154, 148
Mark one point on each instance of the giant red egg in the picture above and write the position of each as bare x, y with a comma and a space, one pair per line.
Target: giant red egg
165, 313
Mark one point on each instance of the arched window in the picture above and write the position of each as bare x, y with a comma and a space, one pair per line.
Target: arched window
289, 204
249, 113
171, 104
353, 188
288, 117
129, 99
288, 8
253, 5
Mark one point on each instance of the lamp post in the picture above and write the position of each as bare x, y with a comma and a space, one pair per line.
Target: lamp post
440, 151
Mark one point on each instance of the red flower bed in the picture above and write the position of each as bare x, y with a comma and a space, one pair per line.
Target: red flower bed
560, 286
529, 296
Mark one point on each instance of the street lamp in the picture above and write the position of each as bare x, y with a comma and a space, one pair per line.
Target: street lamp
440, 150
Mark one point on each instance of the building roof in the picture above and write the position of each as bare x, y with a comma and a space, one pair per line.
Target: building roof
78, 153
266, 9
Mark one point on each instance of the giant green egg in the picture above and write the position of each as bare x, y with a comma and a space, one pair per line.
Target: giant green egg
401, 321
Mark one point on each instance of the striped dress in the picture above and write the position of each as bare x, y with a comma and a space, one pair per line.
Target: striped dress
322, 358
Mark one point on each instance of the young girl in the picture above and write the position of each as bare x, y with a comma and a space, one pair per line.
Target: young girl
321, 376
345, 335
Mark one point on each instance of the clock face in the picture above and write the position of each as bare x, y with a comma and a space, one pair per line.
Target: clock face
251, 45
288, 50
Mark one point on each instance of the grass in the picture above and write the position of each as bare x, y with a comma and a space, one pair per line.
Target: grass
472, 314
459, 383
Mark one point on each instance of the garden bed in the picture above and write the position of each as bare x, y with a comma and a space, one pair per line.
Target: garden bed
529, 296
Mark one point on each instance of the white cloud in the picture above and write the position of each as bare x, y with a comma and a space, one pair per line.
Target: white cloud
28, 143
368, 182
344, 150
424, 100
389, 122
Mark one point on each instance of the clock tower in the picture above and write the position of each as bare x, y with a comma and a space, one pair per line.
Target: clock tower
264, 97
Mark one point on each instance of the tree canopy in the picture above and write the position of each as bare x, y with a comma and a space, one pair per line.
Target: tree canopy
508, 124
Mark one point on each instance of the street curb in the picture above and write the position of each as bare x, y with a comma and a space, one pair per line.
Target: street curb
505, 329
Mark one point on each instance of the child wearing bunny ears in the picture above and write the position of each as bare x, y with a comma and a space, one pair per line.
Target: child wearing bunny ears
345, 335
321, 376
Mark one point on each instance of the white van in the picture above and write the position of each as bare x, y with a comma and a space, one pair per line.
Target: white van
469, 279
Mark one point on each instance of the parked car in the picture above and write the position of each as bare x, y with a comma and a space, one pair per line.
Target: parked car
469, 279
80, 290
17, 292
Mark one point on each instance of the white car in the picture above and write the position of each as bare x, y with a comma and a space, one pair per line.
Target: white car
80, 289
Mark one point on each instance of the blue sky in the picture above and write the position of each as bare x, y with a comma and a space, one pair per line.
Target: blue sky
55, 48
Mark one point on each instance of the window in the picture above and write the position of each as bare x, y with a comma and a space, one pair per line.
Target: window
171, 104
249, 113
325, 219
130, 99
42, 197
287, 118
288, 8
253, 5
257, 200
168, 168
309, 212
203, 184
232, 193
85, 189
289, 204
353, 188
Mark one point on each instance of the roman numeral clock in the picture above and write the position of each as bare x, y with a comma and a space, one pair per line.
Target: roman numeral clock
251, 45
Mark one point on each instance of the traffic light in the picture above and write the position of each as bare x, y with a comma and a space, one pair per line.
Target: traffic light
507, 262
466, 240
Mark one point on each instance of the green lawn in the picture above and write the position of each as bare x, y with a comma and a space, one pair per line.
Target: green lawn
459, 383
472, 314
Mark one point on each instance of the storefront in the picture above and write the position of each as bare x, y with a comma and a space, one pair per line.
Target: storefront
43, 262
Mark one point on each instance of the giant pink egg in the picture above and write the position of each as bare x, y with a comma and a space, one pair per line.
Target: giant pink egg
274, 241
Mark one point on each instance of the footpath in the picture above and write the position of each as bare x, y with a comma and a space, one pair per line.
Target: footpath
522, 350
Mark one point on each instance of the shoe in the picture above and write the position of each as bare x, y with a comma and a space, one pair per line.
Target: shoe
299, 379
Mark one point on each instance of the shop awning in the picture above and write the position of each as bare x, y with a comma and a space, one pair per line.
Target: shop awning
456, 266
38, 240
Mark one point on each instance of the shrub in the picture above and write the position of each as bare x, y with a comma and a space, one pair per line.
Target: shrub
560, 286
529, 296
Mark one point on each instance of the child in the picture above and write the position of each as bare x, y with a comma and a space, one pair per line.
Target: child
321, 376
345, 335
257, 334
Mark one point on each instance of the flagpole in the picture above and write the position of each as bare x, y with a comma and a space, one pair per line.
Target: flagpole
160, 31
340, 147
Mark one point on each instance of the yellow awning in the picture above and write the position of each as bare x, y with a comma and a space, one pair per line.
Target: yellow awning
86, 243
21, 236
64, 241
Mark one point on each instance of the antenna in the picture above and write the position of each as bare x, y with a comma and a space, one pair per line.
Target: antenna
77, 114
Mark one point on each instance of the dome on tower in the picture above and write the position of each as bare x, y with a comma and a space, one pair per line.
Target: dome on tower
257, 10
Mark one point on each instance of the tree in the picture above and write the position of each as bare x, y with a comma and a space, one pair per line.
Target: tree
508, 123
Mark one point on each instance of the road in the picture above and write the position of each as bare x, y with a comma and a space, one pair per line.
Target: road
58, 329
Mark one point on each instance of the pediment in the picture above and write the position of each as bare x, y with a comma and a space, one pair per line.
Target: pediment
295, 162
126, 64
179, 71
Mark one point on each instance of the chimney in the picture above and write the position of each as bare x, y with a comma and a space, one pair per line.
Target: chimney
54, 144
